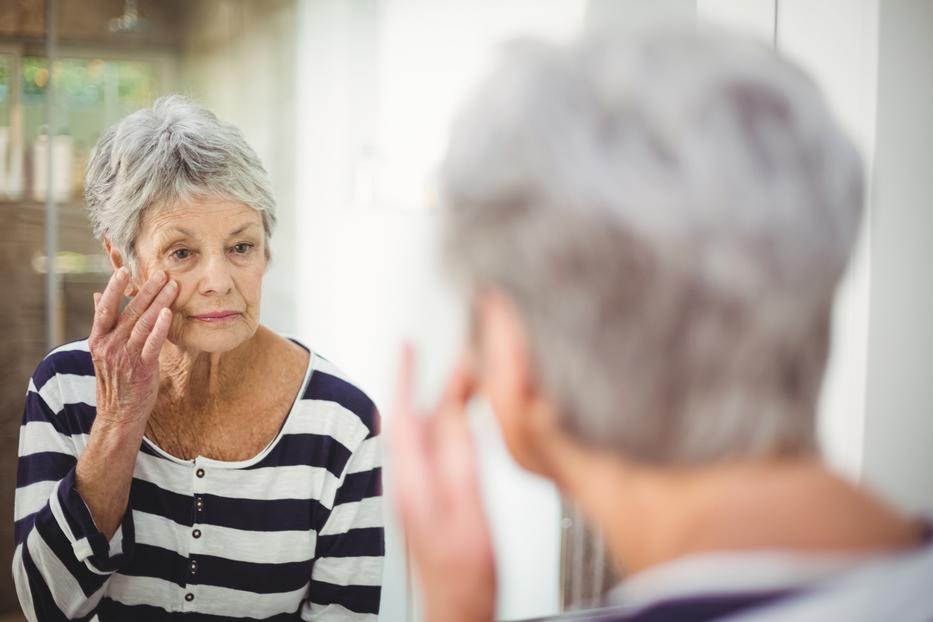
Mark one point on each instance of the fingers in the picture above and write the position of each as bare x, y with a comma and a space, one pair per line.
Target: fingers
146, 322
140, 303
157, 337
459, 389
107, 305
410, 460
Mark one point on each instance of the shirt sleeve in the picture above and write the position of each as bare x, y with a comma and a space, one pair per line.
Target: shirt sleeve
61, 562
346, 578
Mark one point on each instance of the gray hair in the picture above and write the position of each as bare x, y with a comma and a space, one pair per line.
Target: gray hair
670, 213
174, 151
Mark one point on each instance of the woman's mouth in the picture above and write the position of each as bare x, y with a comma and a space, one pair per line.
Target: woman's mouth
217, 317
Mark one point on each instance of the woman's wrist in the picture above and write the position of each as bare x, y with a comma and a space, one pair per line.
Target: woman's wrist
105, 470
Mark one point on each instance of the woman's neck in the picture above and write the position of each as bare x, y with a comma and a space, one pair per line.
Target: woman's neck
658, 515
197, 378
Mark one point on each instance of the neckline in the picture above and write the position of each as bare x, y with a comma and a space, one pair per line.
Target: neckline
247, 462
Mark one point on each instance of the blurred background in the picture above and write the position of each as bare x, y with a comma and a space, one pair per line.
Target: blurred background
347, 102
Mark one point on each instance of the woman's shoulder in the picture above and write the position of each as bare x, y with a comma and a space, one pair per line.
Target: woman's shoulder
329, 389
67, 363
63, 389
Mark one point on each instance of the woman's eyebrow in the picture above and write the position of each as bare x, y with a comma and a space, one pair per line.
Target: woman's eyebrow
177, 229
243, 228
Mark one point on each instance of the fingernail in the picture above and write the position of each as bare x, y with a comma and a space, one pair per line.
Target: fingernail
159, 276
123, 272
172, 284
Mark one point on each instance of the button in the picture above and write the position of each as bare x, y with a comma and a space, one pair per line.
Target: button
189, 597
194, 566
199, 504
196, 533
199, 472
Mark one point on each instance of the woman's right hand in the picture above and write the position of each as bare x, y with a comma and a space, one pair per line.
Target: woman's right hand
125, 347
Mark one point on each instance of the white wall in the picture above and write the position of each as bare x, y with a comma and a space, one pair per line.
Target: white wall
836, 42
898, 444
378, 83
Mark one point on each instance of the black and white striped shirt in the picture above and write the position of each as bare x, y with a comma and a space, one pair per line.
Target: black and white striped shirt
294, 533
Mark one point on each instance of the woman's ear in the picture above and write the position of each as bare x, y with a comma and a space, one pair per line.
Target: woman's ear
117, 261
507, 377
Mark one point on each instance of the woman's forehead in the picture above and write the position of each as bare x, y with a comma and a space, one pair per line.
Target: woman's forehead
199, 217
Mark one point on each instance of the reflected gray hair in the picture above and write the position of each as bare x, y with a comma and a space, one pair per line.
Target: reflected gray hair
670, 214
174, 152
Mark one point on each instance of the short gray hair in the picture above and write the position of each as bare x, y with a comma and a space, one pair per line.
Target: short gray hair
670, 213
174, 151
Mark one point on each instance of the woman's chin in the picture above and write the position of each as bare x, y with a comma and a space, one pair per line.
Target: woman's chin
212, 339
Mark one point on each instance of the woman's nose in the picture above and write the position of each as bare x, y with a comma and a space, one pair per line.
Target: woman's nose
215, 277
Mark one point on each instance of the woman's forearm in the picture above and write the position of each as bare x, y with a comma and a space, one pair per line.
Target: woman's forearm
105, 471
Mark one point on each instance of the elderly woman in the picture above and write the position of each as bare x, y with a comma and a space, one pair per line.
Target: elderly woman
651, 231
184, 462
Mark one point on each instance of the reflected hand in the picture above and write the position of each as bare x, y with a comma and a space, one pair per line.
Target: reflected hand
125, 347
438, 500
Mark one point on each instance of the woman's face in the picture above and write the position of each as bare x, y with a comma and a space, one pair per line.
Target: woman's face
215, 251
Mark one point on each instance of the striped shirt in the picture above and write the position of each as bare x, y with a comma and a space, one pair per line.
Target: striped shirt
775, 586
294, 533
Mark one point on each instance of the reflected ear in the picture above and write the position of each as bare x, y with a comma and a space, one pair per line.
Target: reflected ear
503, 345
117, 261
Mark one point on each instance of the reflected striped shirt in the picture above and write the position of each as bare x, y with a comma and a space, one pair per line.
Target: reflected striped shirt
294, 533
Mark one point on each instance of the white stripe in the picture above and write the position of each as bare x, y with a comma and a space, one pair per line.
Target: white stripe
65, 589
21, 581
313, 612
63, 389
41, 436
349, 570
145, 591
327, 418
68, 347
355, 515
31, 498
260, 547
208, 599
279, 482
367, 457
322, 364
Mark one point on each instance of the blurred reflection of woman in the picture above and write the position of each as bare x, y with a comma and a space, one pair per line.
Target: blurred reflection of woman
652, 230
184, 461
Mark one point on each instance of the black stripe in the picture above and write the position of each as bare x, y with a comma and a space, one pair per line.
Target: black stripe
147, 497
159, 563
358, 598
76, 362
236, 513
55, 538
705, 607
263, 515
363, 542
323, 386
115, 611
22, 526
82, 524
307, 449
46, 466
252, 577
358, 486
76, 418
42, 601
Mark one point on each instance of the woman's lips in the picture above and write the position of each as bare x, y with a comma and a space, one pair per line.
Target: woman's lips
217, 317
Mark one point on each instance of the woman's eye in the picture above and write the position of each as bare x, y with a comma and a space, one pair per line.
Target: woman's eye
242, 248
181, 253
